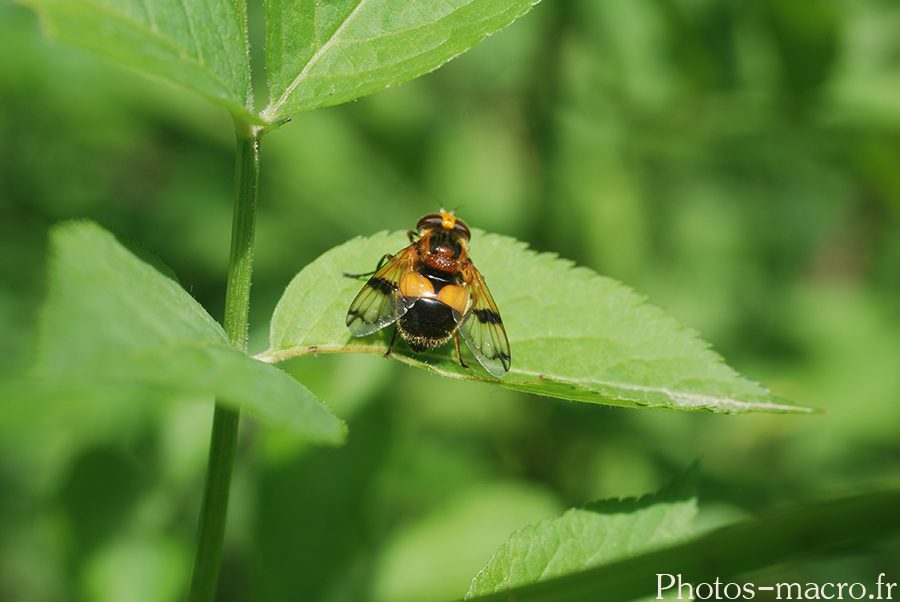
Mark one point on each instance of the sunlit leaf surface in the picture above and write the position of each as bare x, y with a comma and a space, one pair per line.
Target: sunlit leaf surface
325, 53
115, 329
738, 549
574, 334
597, 534
198, 44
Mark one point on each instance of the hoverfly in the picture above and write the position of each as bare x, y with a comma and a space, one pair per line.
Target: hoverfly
433, 292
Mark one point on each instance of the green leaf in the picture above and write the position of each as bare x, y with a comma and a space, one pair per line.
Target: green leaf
198, 44
434, 557
573, 334
114, 328
594, 535
806, 530
325, 53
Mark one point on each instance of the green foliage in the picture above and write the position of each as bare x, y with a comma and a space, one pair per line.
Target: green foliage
574, 334
470, 527
200, 45
718, 556
317, 55
738, 164
325, 54
598, 534
115, 327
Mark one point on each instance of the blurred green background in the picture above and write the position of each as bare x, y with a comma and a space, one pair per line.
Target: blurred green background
737, 162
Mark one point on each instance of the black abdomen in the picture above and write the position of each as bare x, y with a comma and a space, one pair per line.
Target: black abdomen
427, 324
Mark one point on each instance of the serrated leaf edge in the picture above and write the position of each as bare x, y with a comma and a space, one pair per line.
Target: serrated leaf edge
683, 401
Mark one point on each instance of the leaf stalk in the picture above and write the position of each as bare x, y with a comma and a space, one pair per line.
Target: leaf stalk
214, 507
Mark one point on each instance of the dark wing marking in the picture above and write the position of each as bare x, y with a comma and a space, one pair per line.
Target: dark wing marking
377, 305
482, 328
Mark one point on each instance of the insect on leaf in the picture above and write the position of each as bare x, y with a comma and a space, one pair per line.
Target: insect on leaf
573, 334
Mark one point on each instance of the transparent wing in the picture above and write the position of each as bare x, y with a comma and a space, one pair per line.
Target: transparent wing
482, 328
376, 305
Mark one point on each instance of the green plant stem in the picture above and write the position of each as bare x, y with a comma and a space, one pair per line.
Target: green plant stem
214, 508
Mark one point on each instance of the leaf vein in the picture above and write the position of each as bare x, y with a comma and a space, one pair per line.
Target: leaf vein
331, 41
196, 40
155, 32
150, 17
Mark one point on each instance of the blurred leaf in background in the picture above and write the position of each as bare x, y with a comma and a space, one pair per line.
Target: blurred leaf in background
737, 162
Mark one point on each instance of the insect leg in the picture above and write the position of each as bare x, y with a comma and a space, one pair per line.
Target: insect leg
458, 354
368, 274
391, 346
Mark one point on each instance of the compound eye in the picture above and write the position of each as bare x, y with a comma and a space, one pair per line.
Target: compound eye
430, 221
462, 228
